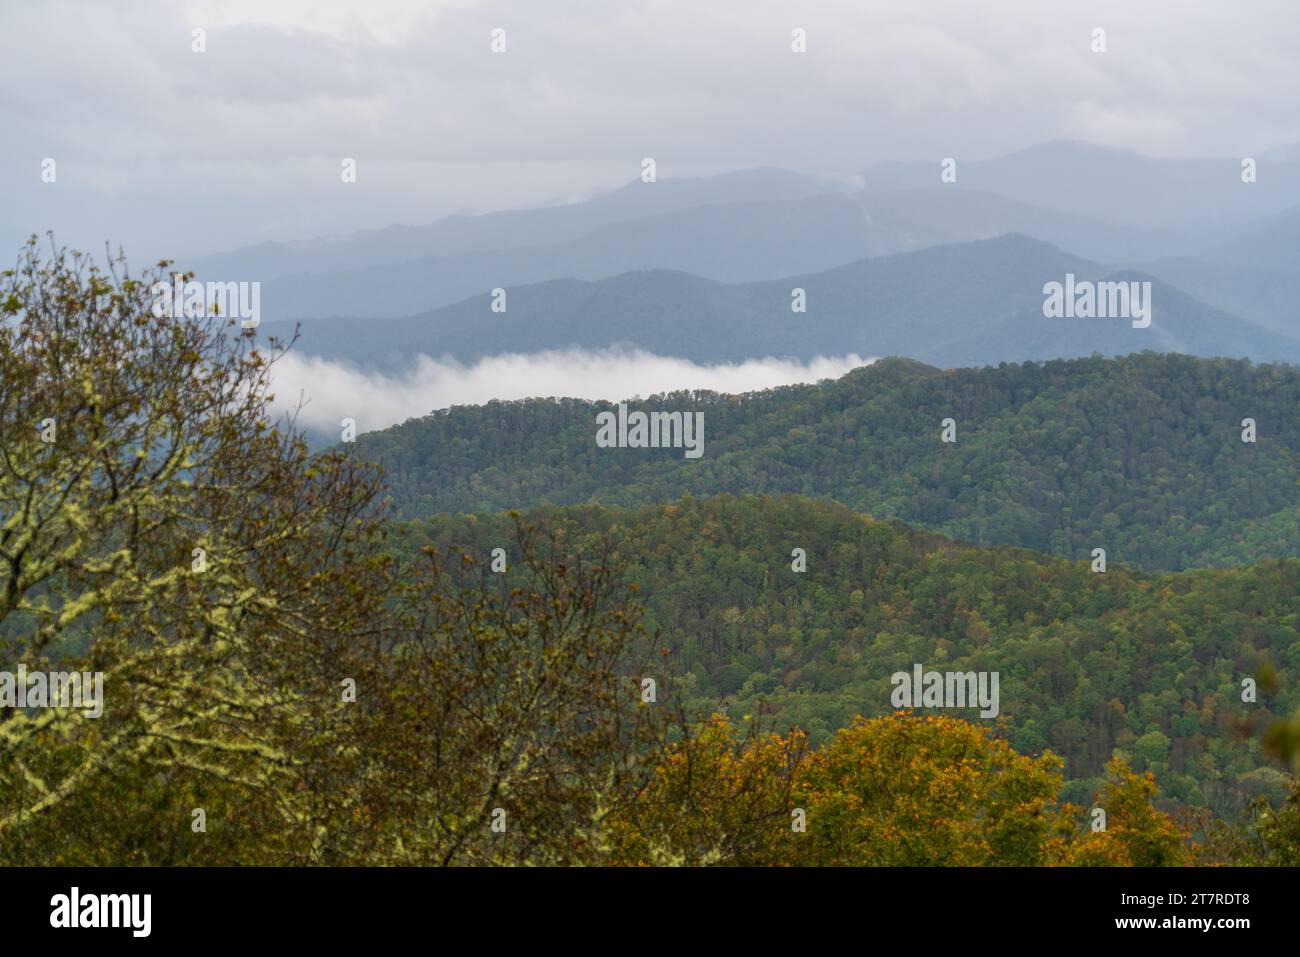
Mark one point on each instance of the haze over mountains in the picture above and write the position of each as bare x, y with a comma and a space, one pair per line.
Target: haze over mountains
955, 305
892, 262
1118, 186
730, 242
513, 228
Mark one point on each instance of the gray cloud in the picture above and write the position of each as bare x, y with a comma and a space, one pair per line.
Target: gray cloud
172, 152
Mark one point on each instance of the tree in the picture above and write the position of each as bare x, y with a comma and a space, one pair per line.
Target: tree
265, 660
718, 795
905, 790
156, 528
1136, 834
508, 721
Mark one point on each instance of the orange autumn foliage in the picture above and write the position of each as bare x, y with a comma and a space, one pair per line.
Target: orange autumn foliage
901, 790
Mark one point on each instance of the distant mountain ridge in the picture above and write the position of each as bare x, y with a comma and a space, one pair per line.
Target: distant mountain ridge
507, 229
1255, 275
964, 304
1118, 186
1111, 206
730, 242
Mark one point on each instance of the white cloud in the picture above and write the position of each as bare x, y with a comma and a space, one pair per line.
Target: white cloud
331, 391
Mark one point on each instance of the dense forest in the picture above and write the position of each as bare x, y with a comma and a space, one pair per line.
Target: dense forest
287, 671
1147, 666
1142, 456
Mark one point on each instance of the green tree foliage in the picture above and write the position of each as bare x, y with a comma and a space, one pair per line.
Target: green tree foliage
155, 528
317, 701
1136, 834
289, 677
1140, 455
1089, 663
505, 698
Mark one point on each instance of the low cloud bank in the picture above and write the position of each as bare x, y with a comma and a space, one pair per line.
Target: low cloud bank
331, 391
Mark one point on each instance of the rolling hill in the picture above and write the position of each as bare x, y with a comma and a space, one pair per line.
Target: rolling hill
1142, 455
1150, 665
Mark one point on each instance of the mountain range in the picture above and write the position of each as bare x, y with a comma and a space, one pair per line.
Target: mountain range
962, 304
1174, 218
893, 262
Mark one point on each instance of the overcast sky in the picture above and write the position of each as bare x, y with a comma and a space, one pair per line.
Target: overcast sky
172, 152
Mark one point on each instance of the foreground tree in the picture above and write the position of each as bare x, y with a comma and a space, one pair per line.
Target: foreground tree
901, 790
1136, 833
718, 795
907, 790
275, 688
155, 528
504, 723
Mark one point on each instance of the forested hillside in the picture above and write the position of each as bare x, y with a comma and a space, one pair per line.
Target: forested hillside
1142, 455
1144, 665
